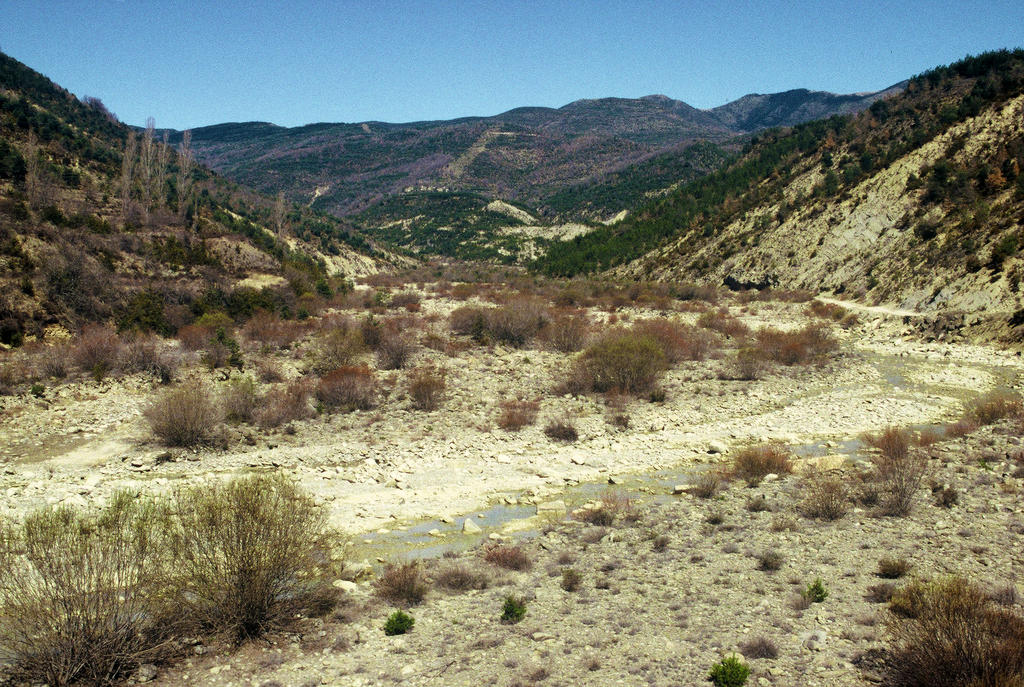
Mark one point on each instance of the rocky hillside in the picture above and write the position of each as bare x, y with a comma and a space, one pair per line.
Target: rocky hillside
100, 223
916, 202
525, 154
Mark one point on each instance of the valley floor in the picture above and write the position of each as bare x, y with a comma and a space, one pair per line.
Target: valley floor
640, 616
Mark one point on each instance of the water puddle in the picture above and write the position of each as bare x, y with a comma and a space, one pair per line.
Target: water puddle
515, 521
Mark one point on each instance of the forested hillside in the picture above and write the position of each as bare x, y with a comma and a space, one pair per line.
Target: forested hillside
917, 201
101, 222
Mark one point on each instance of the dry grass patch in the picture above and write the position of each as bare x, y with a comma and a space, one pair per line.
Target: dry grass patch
516, 414
508, 557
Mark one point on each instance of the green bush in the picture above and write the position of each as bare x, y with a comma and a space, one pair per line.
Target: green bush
621, 361
248, 554
816, 592
81, 596
398, 623
513, 610
731, 671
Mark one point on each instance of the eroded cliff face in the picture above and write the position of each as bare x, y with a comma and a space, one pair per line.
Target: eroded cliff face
886, 240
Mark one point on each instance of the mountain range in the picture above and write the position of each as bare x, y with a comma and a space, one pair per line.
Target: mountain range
523, 155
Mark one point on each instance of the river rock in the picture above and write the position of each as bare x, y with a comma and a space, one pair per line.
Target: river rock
470, 527
551, 507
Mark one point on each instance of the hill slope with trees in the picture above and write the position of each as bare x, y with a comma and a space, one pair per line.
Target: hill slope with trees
102, 222
917, 201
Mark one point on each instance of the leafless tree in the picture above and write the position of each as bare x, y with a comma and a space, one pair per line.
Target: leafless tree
160, 173
147, 166
131, 148
186, 165
278, 214
35, 182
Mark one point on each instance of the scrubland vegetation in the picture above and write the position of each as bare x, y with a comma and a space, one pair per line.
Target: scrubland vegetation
222, 563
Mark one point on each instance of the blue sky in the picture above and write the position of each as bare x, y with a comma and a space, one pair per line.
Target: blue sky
294, 62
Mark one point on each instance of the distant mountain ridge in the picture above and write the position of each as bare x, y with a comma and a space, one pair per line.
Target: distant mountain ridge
525, 154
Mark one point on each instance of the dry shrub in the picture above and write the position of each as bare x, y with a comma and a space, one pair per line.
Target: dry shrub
747, 365
427, 385
900, 469
723, 323
184, 416
621, 360
53, 361
960, 428
567, 333
270, 330
759, 647
459, 576
393, 350
893, 568
284, 404
239, 400
754, 462
678, 341
928, 436
831, 311
469, 320
825, 496
517, 323
797, 347
993, 406
406, 299
508, 557
222, 351
348, 388
402, 585
81, 596
340, 346
948, 633
614, 505
97, 349
194, 337
146, 353
706, 484
561, 430
516, 414
248, 554
269, 370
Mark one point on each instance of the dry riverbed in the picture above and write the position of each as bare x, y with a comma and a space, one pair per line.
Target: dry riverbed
641, 616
